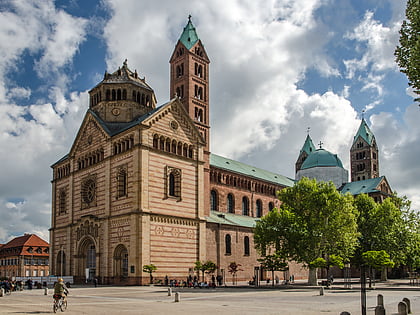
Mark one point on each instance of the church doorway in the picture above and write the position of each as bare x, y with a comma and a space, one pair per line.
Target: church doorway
120, 263
87, 259
61, 263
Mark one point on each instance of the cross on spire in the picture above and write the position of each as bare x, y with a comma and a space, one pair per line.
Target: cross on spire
308, 129
363, 114
189, 18
320, 144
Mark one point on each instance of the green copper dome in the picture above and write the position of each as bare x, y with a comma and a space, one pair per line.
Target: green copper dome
321, 157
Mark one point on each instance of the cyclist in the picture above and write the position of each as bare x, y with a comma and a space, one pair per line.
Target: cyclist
60, 289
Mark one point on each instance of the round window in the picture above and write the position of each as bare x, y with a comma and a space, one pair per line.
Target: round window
89, 191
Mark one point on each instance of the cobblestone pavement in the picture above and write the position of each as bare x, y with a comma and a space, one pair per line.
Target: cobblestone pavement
282, 300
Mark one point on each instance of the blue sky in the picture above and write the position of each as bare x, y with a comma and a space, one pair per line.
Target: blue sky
277, 68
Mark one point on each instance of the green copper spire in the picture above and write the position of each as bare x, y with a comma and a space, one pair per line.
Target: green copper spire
308, 146
365, 133
189, 36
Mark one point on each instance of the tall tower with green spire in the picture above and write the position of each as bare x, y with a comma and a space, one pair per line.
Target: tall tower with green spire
307, 149
364, 159
190, 78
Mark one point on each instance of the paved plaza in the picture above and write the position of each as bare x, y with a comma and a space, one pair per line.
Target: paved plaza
297, 299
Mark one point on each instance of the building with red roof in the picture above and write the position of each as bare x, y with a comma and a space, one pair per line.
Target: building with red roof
24, 256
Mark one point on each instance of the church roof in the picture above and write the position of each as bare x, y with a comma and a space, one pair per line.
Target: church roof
308, 146
248, 170
125, 75
365, 133
231, 219
189, 36
321, 157
114, 128
362, 186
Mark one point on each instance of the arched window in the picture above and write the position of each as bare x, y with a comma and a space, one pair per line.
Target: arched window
124, 94
245, 206
108, 95
155, 141
270, 206
259, 208
122, 183
118, 94
246, 246
173, 182
62, 201
228, 244
230, 203
213, 200
114, 95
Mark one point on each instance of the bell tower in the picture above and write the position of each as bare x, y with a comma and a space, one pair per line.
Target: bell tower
190, 78
364, 159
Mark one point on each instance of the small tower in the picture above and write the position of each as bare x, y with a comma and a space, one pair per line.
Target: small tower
308, 148
122, 96
190, 78
364, 160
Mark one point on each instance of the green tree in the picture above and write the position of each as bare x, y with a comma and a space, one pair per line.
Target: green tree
377, 260
314, 220
407, 52
150, 269
274, 262
205, 267
391, 227
233, 269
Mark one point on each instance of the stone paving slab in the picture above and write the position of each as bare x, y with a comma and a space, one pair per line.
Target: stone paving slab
155, 300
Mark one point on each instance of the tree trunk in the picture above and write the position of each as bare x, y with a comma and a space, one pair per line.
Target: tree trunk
384, 274
313, 277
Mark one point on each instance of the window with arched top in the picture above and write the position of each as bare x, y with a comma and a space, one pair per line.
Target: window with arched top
213, 200
173, 182
245, 205
228, 244
122, 183
230, 203
62, 201
270, 206
259, 208
246, 246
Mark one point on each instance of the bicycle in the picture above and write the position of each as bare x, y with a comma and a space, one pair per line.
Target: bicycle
59, 303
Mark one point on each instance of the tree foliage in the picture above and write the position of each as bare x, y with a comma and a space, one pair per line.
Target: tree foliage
274, 262
205, 267
233, 269
407, 52
377, 259
150, 269
314, 220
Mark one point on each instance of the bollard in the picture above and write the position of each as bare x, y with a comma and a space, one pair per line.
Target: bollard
321, 291
45, 291
177, 297
2, 292
169, 291
345, 313
402, 308
380, 300
379, 310
407, 301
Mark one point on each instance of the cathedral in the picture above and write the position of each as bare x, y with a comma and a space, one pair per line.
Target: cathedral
140, 186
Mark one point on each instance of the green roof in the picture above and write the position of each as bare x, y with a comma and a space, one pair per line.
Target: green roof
321, 157
232, 219
308, 146
189, 36
365, 133
362, 186
244, 169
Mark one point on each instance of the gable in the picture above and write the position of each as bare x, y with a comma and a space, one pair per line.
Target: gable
90, 136
172, 122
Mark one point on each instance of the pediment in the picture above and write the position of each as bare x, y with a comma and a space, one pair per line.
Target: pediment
173, 121
89, 137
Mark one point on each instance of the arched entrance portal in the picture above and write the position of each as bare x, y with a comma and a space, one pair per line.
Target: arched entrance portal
87, 258
121, 262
